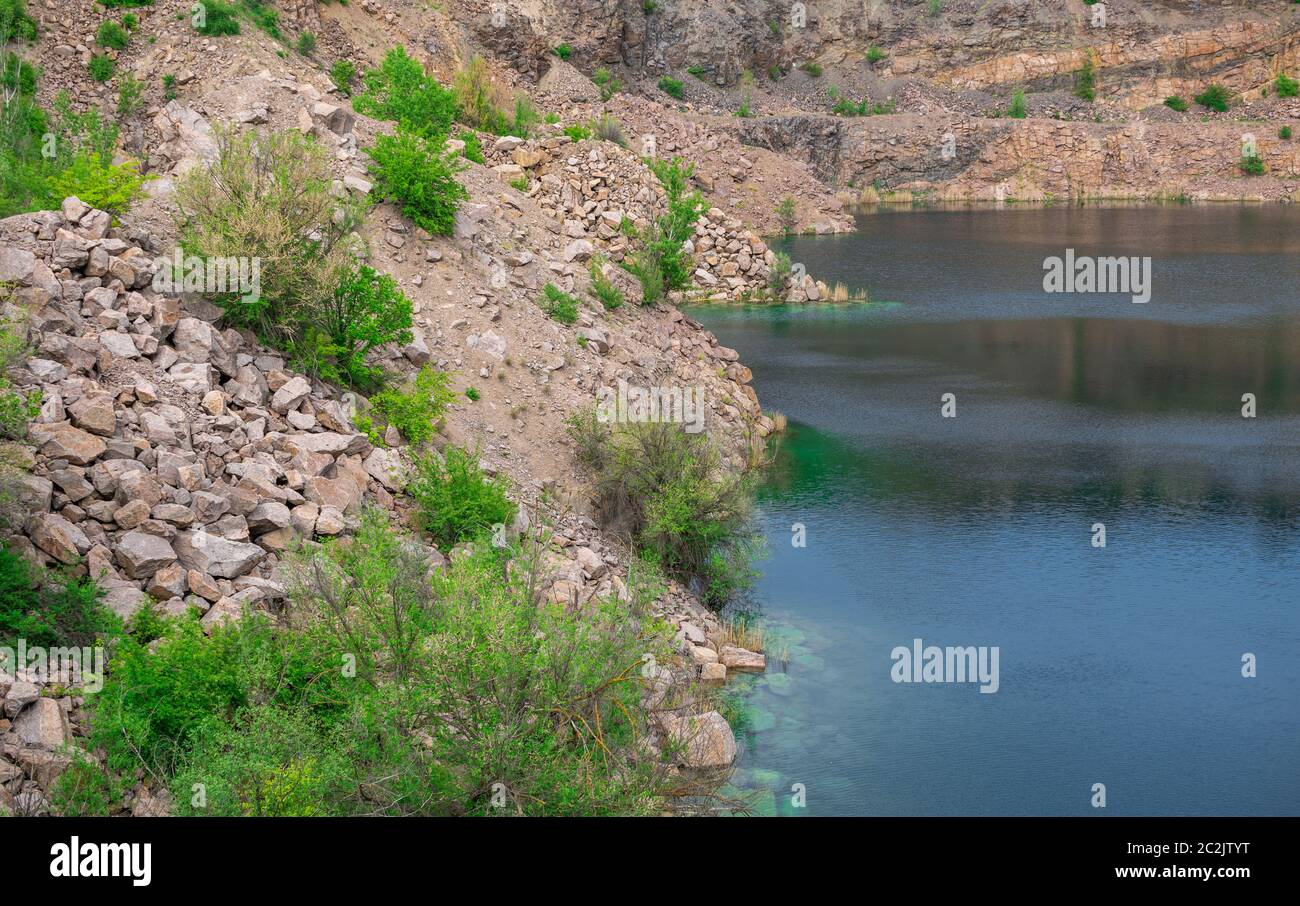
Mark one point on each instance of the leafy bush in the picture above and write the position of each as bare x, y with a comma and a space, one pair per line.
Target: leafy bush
50, 607
112, 35
130, 96
661, 486
85, 790
1215, 97
306, 44
563, 51
400, 90
268, 197
342, 74
577, 132
608, 83
672, 87
1284, 133
660, 262
160, 697
472, 394
875, 54
418, 174
787, 215
15, 24
778, 276
1085, 81
558, 304
101, 68
113, 188
1285, 86
1174, 102
366, 310
454, 500
415, 410
217, 19
603, 288
1252, 165
1018, 109
266, 762
473, 147
16, 408
478, 96
813, 69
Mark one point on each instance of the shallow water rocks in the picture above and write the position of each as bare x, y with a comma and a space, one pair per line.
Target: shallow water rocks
706, 739
742, 659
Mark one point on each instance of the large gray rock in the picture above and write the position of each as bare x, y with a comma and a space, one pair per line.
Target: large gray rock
63, 441
706, 739
58, 537
293, 392
141, 554
43, 723
216, 556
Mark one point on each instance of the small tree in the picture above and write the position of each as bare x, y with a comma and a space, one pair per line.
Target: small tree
366, 310
419, 175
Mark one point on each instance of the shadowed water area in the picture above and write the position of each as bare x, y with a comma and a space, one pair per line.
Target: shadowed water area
1119, 665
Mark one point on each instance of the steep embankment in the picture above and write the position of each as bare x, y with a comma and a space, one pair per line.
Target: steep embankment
177, 460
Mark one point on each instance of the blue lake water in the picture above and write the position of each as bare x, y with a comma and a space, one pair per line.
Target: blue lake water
1119, 665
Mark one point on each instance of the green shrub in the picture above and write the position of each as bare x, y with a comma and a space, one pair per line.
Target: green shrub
306, 44
660, 262
563, 51
216, 19
85, 789
473, 147
875, 54
266, 762
416, 409
472, 394
366, 310
419, 175
16, 408
264, 17
269, 197
665, 488
1215, 97
1085, 81
50, 607
101, 68
112, 35
672, 87
608, 83
1174, 102
577, 132
342, 74
454, 500
399, 90
1284, 133
169, 87
1285, 86
15, 24
778, 277
558, 304
603, 289
1018, 109
813, 69
113, 188
1252, 165
130, 21
130, 96
787, 215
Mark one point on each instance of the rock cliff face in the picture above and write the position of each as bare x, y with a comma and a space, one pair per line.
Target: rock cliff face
948, 68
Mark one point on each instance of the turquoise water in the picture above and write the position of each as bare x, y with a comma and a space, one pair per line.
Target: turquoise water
1119, 665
